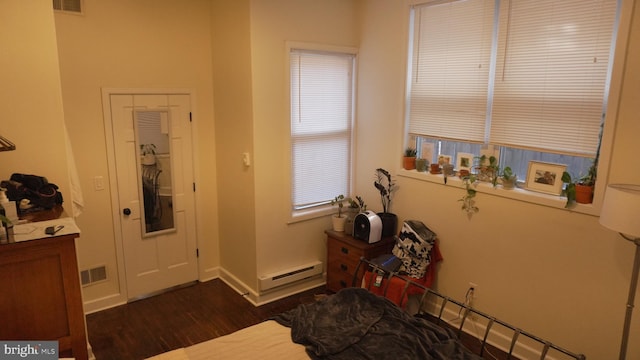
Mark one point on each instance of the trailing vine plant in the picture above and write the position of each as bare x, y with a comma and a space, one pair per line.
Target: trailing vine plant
468, 200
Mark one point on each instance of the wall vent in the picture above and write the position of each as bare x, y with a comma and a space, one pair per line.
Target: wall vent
286, 277
70, 6
92, 276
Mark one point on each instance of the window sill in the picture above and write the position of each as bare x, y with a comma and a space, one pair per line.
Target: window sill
313, 213
519, 193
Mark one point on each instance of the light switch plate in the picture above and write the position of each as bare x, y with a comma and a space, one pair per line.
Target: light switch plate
98, 183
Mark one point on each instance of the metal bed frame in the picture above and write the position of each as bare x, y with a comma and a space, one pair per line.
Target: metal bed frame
465, 310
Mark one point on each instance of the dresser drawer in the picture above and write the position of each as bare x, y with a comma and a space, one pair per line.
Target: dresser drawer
343, 256
345, 253
339, 281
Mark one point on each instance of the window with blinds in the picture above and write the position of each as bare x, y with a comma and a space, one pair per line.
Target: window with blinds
450, 73
322, 93
529, 75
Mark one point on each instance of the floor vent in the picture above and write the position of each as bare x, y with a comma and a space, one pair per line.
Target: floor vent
70, 6
92, 276
271, 281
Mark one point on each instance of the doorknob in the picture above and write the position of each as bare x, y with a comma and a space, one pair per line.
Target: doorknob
126, 211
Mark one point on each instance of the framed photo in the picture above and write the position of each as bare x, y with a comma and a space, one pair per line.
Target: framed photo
464, 161
444, 159
427, 151
545, 177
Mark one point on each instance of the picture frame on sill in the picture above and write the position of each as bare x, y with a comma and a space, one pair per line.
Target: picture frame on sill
464, 161
545, 177
444, 159
427, 151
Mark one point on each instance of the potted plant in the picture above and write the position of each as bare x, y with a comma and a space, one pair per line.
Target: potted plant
409, 160
487, 171
148, 152
508, 178
386, 187
352, 211
580, 190
338, 220
361, 205
468, 200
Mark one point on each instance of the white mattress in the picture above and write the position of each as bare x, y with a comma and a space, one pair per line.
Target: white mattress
266, 340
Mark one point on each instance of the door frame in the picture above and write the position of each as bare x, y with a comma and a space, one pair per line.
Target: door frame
121, 296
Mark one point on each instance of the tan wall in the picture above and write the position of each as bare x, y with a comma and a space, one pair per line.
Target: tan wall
555, 272
234, 136
31, 112
134, 44
331, 22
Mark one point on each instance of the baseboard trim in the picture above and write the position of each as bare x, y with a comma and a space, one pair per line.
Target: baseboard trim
104, 303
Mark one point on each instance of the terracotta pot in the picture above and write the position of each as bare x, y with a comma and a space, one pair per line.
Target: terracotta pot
584, 194
435, 168
409, 162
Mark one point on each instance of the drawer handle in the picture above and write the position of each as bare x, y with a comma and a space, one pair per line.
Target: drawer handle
343, 267
343, 283
345, 250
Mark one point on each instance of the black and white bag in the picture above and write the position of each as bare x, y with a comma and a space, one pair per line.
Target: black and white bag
413, 247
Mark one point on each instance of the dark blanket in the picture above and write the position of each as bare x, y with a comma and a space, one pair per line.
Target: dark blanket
356, 324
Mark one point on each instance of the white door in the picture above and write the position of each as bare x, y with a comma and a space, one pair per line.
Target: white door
154, 191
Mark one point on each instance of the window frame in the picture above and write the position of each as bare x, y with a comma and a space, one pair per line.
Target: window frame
324, 209
625, 10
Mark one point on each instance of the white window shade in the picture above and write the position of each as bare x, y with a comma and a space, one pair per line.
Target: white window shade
450, 69
321, 126
551, 74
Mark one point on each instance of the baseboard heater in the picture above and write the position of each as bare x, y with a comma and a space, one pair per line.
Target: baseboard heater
285, 277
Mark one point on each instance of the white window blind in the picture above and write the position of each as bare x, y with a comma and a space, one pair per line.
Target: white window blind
532, 75
450, 69
321, 125
551, 74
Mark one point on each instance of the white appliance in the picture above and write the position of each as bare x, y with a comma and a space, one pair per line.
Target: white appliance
367, 226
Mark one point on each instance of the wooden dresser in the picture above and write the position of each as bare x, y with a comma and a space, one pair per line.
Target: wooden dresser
41, 296
343, 256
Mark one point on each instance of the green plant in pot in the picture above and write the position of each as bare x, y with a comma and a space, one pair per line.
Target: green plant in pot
580, 190
338, 220
508, 178
354, 208
486, 168
361, 204
409, 159
386, 187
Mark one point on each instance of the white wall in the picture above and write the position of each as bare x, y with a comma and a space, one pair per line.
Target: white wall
554, 272
332, 22
551, 271
31, 112
230, 23
134, 44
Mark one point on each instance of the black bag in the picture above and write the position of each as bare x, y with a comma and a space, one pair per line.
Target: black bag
41, 193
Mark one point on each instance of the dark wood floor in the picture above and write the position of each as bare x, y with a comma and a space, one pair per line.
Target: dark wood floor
177, 319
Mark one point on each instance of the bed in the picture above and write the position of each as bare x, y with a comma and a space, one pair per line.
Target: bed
361, 323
